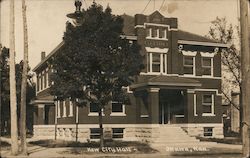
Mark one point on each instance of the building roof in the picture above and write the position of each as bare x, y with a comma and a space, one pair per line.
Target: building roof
184, 37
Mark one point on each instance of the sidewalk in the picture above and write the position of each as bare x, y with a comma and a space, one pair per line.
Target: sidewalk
204, 149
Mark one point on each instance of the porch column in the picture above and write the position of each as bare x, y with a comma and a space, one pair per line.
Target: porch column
41, 114
191, 105
153, 101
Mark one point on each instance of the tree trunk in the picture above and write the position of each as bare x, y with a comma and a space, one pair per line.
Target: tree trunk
1, 67
101, 130
13, 98
24, 83
241, 112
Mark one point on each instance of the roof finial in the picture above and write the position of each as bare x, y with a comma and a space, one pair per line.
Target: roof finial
78, 4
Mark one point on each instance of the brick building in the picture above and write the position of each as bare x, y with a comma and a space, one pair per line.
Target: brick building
180, 88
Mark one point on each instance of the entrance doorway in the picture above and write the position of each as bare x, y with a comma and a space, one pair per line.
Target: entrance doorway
171, 106
165, 113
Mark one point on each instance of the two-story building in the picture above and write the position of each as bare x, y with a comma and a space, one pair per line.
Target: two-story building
180, 87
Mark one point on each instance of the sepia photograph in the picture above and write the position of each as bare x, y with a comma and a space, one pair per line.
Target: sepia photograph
124, 78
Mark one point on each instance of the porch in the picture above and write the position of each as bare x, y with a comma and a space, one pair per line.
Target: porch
165, 99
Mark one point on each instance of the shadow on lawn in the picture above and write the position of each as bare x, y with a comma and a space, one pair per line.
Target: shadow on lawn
4, 145
111, 146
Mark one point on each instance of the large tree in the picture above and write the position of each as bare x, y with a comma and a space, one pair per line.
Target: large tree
5, 91
224, 32
95, 61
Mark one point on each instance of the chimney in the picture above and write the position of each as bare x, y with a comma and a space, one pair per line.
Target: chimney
43, 55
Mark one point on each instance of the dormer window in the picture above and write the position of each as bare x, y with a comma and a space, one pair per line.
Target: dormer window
155, 32
162, 33
149, 32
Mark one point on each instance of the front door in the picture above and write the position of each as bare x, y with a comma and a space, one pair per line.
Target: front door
165, 113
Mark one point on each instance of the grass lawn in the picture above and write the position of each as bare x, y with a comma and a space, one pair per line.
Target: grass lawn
226, 140
212, 152
111, 146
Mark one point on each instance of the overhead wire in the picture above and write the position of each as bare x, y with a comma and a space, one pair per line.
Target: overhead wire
145, 7
162, 4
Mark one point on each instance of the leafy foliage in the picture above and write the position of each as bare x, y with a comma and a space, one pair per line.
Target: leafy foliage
223, 32
95, 62
5, 87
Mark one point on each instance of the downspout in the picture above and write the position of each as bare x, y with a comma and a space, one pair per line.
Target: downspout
56, 106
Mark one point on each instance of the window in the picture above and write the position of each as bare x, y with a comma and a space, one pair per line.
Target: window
207, 66
93, 108
208, 131
156, 33
162, 33
45, 79
118, 109
70, 109
208, 104
38, 83
149, 32
188, 65
41, 82
58, 109
64, 109
94, 133
117, 133
157, 62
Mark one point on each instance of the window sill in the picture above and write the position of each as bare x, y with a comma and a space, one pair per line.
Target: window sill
179, 116
118, 114
154, 73
189, 75
207, 114
207, 76
157, 38
95, 114
144, 116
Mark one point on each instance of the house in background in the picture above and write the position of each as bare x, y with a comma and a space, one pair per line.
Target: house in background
177, 95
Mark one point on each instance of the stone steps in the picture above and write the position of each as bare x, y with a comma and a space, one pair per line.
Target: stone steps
172, 134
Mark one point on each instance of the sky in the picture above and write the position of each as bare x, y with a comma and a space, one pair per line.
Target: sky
47, 19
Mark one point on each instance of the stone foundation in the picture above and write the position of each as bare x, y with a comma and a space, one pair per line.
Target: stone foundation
143, 133
198, 130
44, 131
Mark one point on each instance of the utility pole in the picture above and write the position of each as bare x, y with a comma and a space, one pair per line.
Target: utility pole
24, 83
13, 98
245, 68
